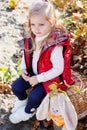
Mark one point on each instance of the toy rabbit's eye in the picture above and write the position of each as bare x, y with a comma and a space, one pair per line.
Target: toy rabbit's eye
56, 110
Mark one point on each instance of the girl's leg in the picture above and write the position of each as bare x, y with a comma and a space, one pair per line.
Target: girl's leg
24, 113
19, 88
35, 97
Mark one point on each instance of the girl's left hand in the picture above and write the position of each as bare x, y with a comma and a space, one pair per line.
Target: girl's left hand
33, 80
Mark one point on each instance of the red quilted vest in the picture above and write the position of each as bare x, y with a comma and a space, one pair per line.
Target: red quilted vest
44, 63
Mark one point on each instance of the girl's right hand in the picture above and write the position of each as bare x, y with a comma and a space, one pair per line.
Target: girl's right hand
24, 74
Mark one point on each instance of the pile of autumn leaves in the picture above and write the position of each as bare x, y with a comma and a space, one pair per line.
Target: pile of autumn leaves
75, 19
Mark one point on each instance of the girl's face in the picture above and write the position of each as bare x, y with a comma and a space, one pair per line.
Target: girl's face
39, 25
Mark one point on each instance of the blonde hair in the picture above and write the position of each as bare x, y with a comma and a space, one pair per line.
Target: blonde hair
51, 14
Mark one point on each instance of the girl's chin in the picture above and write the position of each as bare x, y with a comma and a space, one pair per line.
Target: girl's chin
38, 35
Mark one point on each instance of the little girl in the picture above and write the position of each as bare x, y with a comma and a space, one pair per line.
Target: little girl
46, 64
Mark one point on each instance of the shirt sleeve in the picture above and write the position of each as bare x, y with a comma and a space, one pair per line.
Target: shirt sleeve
58, 66
23, 65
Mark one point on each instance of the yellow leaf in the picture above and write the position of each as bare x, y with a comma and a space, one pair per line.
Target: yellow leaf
3, 69
12, 3
19, 61
75, 87
85, 15
78, 32
60, 3
61, 91
53, 86
74, 36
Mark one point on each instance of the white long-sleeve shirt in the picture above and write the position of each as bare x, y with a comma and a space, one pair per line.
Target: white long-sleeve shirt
56, 59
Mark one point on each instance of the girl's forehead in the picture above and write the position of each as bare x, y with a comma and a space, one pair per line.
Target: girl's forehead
38, 17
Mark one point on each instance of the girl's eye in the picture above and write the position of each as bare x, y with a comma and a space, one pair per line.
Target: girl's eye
32, 24
41, 24
37, 25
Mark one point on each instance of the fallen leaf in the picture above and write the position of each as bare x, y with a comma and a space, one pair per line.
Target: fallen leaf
79, 4
3, 122
35, 125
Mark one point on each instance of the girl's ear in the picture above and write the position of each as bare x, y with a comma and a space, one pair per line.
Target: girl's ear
52, 23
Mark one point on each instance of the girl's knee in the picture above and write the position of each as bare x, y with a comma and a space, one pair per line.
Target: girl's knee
19, 85
35, 98
14, 87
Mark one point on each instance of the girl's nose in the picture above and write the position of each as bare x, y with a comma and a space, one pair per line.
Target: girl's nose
37, 28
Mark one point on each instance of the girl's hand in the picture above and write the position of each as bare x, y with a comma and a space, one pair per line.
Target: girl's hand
24, 74
33, 80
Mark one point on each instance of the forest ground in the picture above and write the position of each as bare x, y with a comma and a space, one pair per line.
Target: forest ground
11, 41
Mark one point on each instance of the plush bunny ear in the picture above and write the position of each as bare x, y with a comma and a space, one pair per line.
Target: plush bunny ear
54, 106
42, 110
68, 112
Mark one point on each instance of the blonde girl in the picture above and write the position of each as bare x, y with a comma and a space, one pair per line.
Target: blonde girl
46, 63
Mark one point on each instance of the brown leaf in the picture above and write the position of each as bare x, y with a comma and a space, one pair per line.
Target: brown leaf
5, 88
35, 125
47, 123
3, 122
77, 16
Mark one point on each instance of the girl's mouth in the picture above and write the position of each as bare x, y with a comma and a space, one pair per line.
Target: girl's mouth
38, 32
